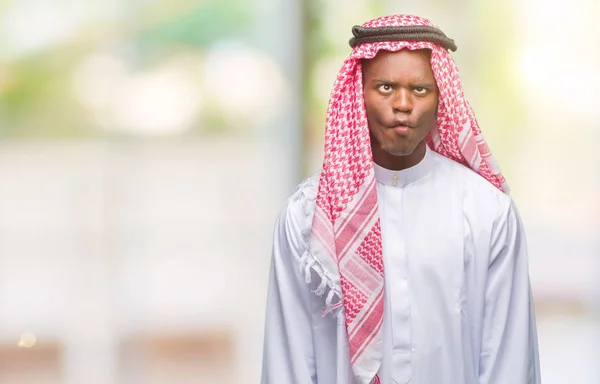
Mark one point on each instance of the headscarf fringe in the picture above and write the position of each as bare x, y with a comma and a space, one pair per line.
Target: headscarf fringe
308, 265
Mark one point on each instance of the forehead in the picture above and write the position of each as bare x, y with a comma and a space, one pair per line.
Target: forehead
401, 64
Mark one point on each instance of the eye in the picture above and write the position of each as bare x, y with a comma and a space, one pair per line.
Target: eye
385, 88
420, 90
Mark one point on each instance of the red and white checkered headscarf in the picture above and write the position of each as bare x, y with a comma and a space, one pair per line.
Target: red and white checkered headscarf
346, 235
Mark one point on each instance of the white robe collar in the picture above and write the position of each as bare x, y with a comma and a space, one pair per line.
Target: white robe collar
406, 176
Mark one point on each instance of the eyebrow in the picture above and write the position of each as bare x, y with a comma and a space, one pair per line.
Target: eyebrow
419, 82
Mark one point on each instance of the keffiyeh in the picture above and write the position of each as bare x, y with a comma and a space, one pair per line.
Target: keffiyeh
345, 246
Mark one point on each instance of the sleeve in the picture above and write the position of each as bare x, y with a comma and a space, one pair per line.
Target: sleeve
288, 352
509, 343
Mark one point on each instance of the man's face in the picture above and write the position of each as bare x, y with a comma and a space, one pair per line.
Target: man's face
401, 101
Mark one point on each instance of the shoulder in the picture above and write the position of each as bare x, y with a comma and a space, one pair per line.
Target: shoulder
490, 216
475, 189
295, 218
484, 206
302, 201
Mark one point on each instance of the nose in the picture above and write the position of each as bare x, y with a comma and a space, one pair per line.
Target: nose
402, 102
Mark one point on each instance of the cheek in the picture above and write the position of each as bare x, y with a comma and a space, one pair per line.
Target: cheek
369, 100
372, 111
429, 111
376, 108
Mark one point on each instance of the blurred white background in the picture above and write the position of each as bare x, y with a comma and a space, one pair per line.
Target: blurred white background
146, 147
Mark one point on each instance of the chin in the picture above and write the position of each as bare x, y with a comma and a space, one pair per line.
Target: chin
400, 152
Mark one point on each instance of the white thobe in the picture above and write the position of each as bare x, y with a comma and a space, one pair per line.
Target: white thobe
458, 304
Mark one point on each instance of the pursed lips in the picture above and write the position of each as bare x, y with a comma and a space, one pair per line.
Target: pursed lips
401, 123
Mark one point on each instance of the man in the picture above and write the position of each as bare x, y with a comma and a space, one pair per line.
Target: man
403, 260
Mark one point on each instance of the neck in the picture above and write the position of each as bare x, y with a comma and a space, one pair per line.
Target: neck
398, 163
